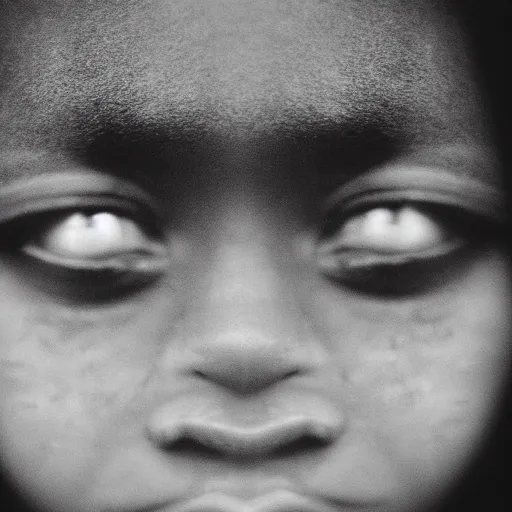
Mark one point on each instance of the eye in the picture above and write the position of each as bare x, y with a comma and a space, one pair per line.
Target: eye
391, 233
393, 249
90, 255
93, 239
391, 230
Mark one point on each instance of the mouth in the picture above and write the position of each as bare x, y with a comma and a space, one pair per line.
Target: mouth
284, 459
278, 428
277, 501
243, 441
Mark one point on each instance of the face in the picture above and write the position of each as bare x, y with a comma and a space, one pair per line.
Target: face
250, 256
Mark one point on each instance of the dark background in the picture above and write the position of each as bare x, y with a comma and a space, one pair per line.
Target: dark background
489, 487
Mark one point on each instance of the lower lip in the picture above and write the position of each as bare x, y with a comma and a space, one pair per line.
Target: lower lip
281, 501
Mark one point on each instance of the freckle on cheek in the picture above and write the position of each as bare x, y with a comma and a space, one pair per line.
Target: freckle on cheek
51, 371
415, 367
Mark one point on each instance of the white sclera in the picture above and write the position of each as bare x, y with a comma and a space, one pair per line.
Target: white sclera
93, 236
406, 229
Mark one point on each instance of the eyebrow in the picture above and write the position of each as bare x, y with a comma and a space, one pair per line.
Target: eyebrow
122, 150
123, 143
157, 152
329, 151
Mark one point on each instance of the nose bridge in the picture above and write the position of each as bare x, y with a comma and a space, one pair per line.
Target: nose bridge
246, 329
243, 267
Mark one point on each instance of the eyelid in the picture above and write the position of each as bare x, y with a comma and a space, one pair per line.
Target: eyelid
157, 263
70, 190
421, 185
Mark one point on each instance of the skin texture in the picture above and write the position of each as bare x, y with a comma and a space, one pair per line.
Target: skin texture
241, 118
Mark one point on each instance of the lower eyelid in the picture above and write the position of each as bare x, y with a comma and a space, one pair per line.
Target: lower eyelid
150, 262
396, 275
331, 256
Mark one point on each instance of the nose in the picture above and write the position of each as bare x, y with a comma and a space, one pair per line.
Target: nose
245, 358
246, 333
245, 340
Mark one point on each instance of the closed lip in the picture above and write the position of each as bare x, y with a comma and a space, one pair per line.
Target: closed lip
282, 422
277, 501
243, 441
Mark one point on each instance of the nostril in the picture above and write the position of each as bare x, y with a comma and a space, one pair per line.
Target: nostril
247, 385
245, 375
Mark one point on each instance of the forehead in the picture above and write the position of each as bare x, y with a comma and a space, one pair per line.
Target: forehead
76, 69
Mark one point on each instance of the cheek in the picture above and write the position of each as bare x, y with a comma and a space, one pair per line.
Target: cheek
429, 388
64, 374
422, 376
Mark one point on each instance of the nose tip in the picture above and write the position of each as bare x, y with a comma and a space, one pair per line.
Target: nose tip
243, 362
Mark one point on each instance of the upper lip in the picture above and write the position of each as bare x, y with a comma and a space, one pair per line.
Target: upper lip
246, 435
244, 441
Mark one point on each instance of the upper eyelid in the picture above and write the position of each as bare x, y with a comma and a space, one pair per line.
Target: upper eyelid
420, 185
73, 190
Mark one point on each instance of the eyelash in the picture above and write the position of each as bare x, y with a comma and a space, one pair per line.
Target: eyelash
403, 273
85, 280
362, 270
